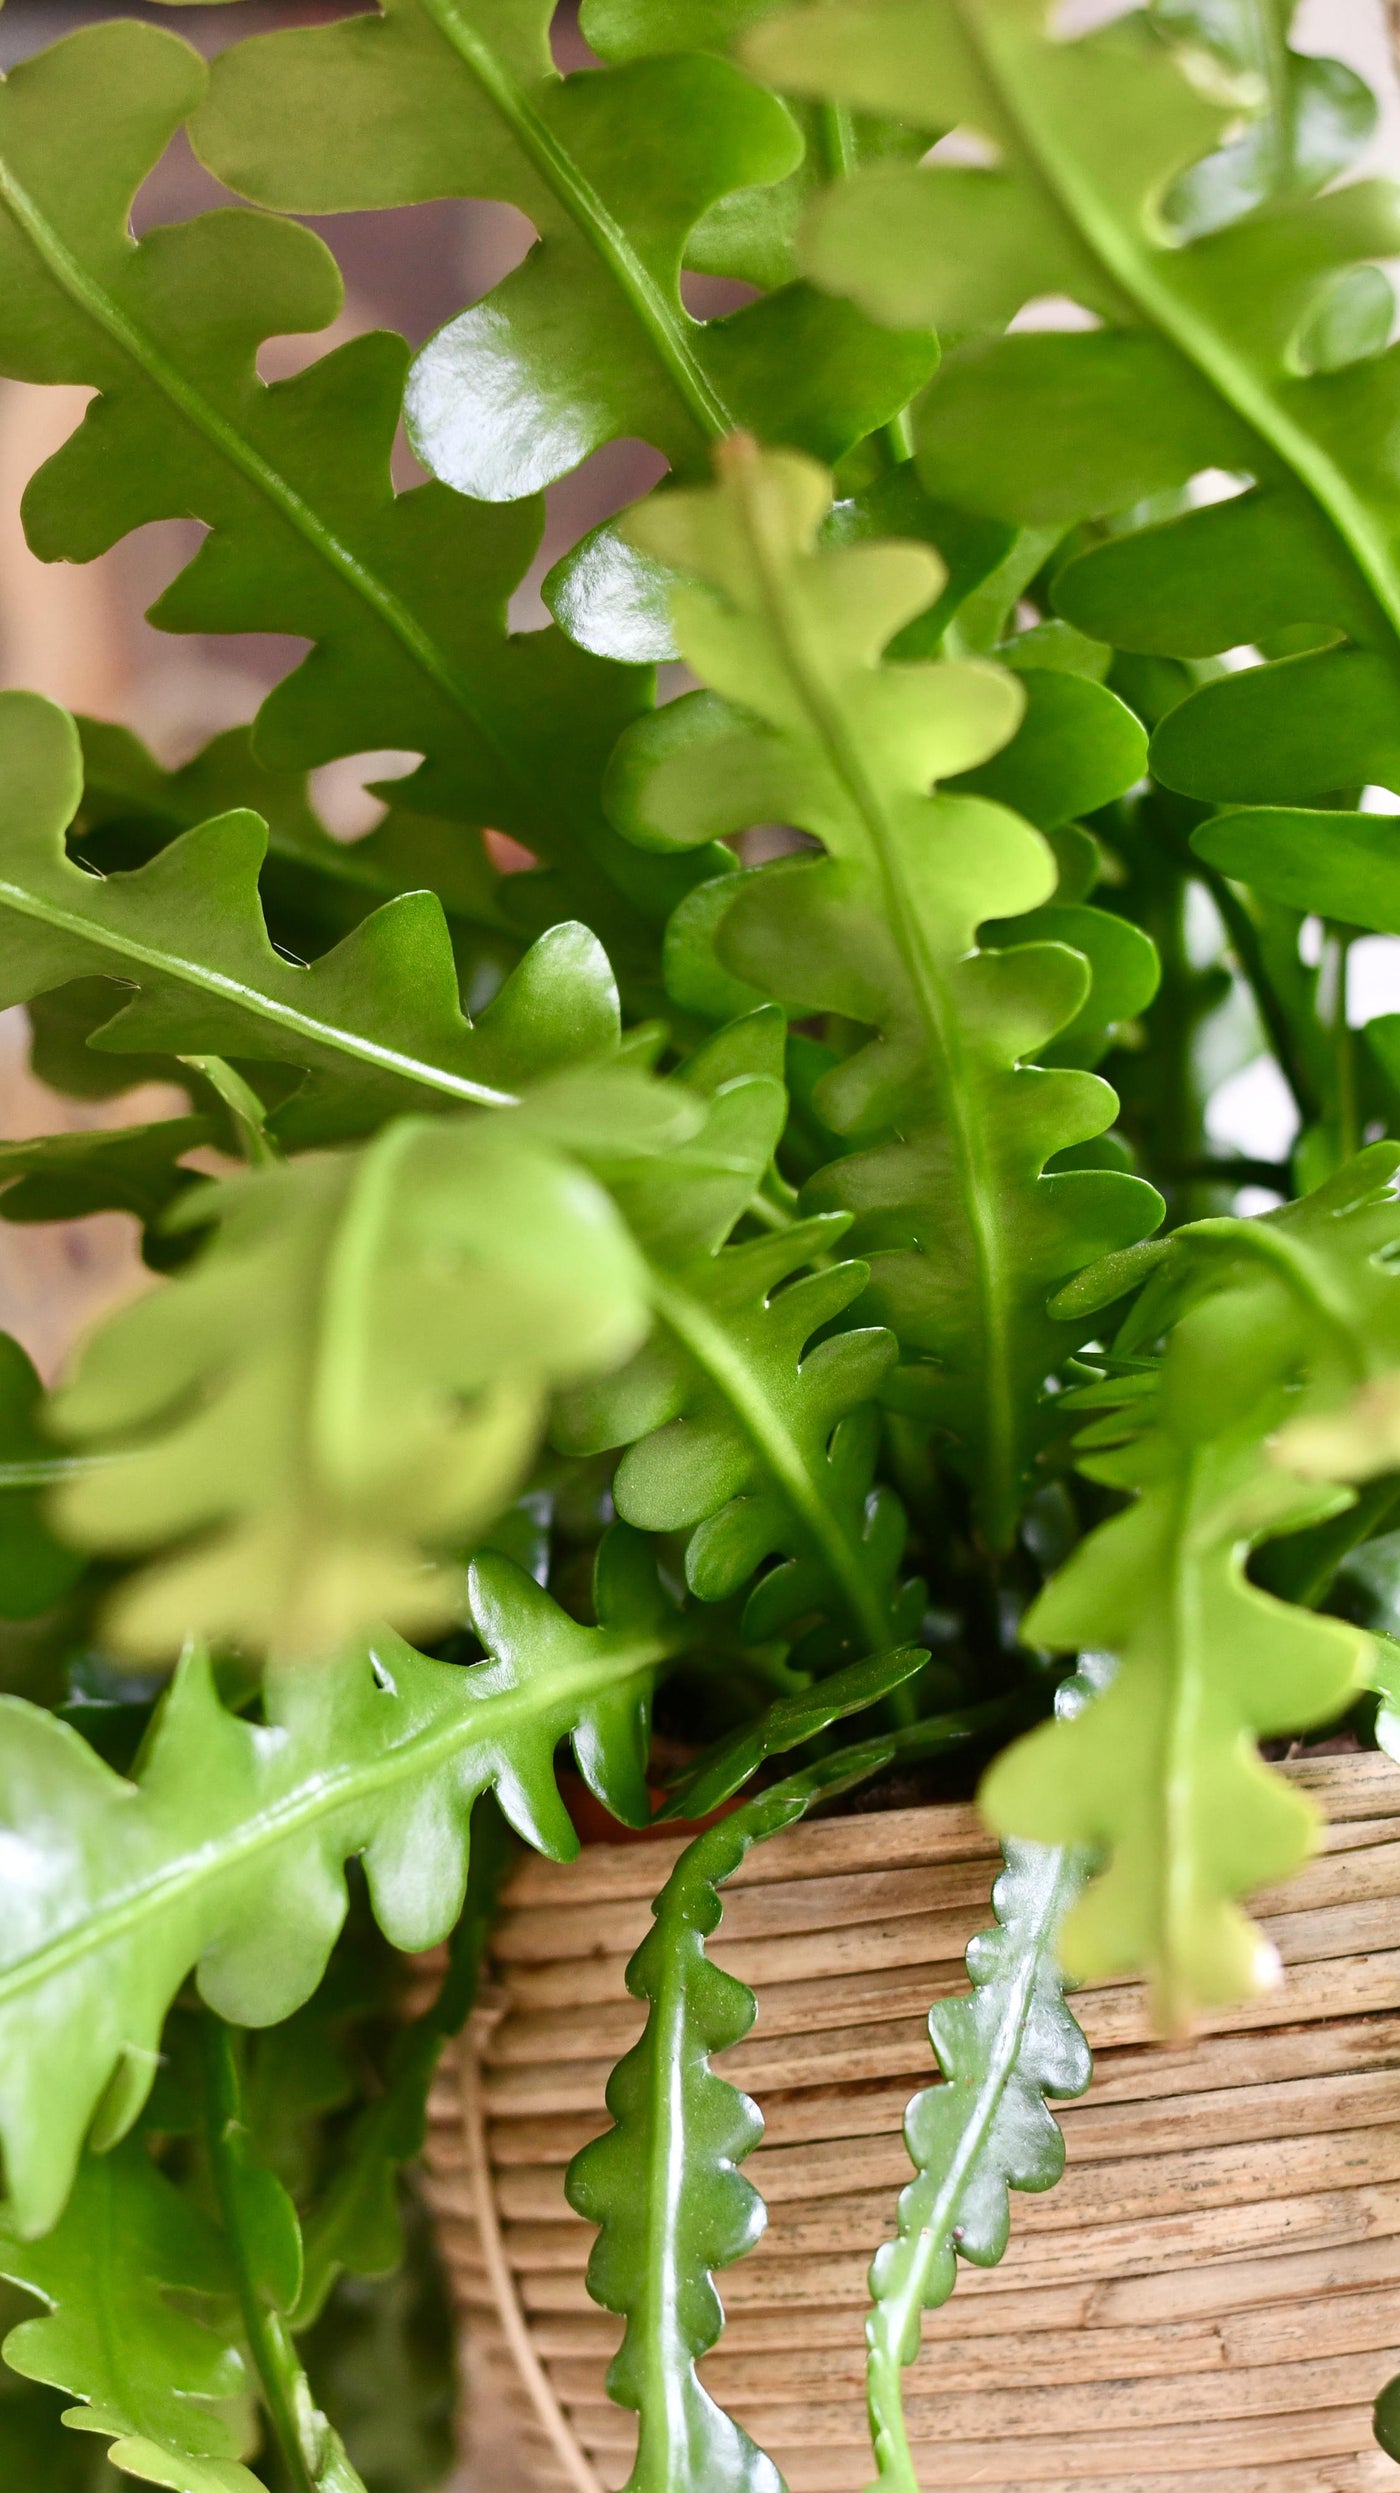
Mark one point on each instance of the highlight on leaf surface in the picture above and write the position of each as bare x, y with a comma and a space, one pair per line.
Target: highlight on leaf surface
1271, 1321
1238, 324
663, 2183
227, 1854
349, 1383
947, 1134
984, 2131
403, 595
588, 341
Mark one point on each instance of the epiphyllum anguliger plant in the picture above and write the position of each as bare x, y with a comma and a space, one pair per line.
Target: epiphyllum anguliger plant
801, 1293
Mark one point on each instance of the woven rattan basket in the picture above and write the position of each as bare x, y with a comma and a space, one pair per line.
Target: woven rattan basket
1209, 2301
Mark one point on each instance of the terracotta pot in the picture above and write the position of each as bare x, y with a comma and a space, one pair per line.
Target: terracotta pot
1209, 2301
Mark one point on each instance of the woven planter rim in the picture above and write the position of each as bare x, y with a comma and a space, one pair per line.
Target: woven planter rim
1208, 2303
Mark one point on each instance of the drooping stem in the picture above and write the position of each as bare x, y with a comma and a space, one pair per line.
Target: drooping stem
920, 2274
244, 1107
1249, 952
310, 2451
1332, 1008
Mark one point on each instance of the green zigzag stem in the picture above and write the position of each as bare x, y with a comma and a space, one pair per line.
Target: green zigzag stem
1195, 339
333, 1788
936, 1011
94, 300
692, 1325
126, 948
895, 2317
576, 195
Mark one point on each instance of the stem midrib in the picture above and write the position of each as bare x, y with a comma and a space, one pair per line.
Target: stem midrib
98, 306
1185, 1628
667, 2182
266, 2343
199, 974
323, 1792
885, 2367
1139, 273
940, 1020
569, 184
694, 1326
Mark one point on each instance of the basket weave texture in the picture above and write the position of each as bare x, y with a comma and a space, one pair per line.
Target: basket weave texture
1207, 2303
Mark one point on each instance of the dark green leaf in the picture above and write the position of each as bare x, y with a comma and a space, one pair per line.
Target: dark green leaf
1077, 747
166, 2387
378, 1021
35, 1569
788, 1724
588, 341
1222, 351
1344, 866
125, 1168
403, 595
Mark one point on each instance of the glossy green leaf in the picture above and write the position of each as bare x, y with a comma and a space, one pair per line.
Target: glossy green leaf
1279, 734
743, 1430
1220, 351
358, 1366
164, 2385
262, 2239
227, 1854
948, 1134
35, 1569
1077, 747
378, 1021
315, 888
1272, 1319
403, 595
1124, 969
124, 1168
985, 2130
662, 2184
1344, 866
355, 2224
588, 341
1306, 118
788, 1723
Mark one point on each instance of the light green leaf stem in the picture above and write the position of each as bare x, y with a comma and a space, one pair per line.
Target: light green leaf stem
947, 1133
983, 2131
1265, 1320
